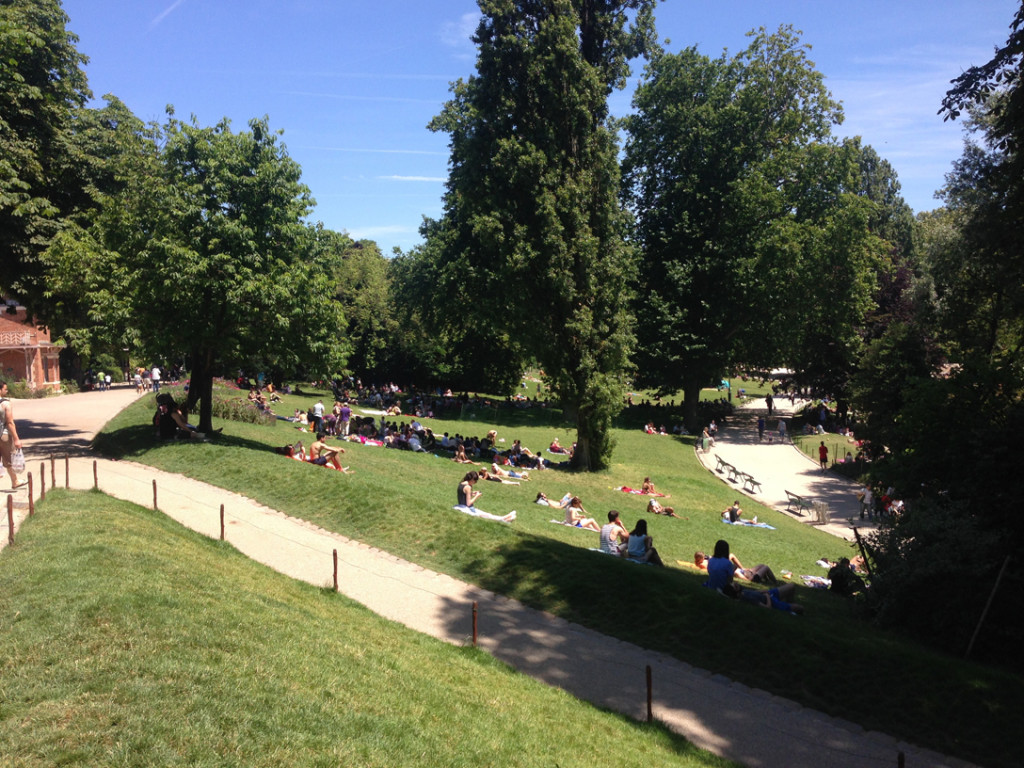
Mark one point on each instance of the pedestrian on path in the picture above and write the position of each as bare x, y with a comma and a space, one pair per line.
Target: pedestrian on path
823, 455
760, 428
9, 440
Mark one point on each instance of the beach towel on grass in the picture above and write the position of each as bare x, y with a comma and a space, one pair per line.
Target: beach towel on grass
627, 489
750, 525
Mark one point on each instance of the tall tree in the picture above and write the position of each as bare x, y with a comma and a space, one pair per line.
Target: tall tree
747, 216
230, 269
41, 82
533, 234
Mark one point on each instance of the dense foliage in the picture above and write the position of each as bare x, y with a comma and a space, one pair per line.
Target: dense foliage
754, 223
533, 234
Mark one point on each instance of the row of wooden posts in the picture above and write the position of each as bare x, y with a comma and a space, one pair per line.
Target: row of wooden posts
96, 484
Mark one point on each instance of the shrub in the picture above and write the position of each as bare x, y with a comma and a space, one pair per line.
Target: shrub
239, 409
22, 390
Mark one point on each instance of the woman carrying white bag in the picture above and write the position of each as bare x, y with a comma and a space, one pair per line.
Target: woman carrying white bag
10, 443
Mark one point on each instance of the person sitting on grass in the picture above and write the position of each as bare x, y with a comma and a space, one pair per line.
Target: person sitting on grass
614, 535
844, 581
576, 516
656, 509
171, 422
322, 454
723, 566
735, 515
648, 486
467, 497
460, 456
639, 546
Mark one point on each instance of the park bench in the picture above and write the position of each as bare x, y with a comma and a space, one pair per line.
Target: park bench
734, 473
800, 502
722, 464
749, 483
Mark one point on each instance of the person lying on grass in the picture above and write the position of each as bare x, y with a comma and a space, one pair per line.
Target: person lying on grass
485, 475
656, 509
467, 497
509, 473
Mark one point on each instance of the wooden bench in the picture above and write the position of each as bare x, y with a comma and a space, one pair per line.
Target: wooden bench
800, 502
749, 483
734, 473
721, 464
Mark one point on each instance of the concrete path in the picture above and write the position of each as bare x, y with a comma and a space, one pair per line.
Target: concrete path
781, 466
729, 719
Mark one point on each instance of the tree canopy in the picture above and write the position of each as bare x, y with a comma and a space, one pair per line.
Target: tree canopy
41, 83
756, 245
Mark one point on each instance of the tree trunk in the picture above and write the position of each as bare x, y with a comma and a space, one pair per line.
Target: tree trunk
201, 389
691, 398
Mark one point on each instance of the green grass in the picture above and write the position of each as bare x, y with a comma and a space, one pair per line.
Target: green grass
830, 659
156, 646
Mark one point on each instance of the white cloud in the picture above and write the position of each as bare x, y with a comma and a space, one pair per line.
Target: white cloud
458, 34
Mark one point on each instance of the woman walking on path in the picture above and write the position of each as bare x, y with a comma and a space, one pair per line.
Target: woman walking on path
9, 440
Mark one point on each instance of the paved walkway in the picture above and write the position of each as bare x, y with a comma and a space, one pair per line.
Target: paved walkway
781, 466
729, 719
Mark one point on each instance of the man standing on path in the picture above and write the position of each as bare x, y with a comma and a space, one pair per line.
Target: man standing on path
770, 402
9, 440
760, 428
823, 456
154, 376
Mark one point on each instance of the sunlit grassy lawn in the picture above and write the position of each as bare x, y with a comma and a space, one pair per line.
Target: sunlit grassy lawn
131, 641
828, 659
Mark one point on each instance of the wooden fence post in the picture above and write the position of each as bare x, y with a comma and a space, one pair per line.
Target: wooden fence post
475, 611
650, 711
67, 471
10, 520
95, 474
154, 496
222, 522
31, 498
335, 570
42, 481
53, 471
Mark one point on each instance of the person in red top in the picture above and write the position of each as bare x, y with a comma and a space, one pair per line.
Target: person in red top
823, 456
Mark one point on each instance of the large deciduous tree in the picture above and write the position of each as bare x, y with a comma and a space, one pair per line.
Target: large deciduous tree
756, 244
230, 270
533, 236
41, 82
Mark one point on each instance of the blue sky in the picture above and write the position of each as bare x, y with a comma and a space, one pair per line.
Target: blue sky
353, 84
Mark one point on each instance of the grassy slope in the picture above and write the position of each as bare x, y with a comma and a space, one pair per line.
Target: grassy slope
829, 659
157, 646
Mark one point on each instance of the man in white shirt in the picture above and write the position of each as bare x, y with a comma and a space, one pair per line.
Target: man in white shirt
154, 376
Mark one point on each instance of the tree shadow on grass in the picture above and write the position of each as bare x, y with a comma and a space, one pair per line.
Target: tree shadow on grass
138, 439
